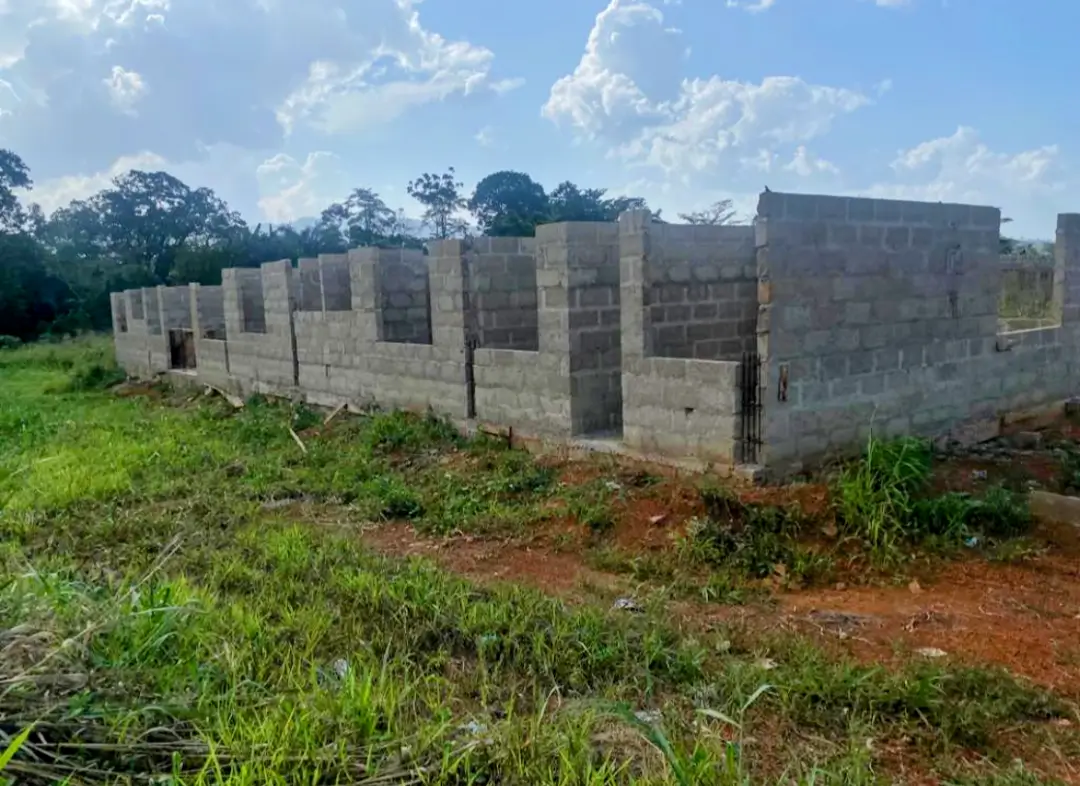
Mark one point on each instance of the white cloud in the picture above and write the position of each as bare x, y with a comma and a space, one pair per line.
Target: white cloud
400, 64
753, 6
627, 90
290, 189
204, 74
805, 164
19, 17
1029, 186
59, 191
125, 88
485, 137
961, 168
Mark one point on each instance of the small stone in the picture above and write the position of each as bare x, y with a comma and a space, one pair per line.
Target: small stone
766, 664
931, 652
658, 519
652, 717
914, 587
627, 604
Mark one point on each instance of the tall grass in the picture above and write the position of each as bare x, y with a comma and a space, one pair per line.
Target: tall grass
163, 618
885, 501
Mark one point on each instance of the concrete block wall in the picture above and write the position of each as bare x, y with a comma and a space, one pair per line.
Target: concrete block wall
157, 341
309, 285
335, 282
175, 304
404, 296
577, 273
501, 273
700, 294
208, 325
261, 362
881, 316
873, 315
341, 357
129, 334
208, 311
672, 403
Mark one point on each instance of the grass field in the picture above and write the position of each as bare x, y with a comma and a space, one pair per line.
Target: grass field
165, 618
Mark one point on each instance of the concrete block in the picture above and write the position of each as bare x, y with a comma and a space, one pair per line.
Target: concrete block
1055, 508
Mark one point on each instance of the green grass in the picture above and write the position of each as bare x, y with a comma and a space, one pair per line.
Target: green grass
884, 500
167, 612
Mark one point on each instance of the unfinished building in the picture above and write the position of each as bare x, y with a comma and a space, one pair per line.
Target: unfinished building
772, 345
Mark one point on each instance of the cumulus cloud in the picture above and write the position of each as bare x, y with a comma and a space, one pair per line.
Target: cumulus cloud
202, 73
125, 88
962, 168
1031, 186
60, 191
292, 189
394, 63
627, 90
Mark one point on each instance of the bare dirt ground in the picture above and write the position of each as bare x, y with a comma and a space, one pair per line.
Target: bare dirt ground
1021, 613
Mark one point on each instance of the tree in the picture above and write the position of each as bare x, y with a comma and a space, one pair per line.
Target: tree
13, 174
441, 197
717, 214
147, 216
370, 220
509, 204
568, 202
31, 295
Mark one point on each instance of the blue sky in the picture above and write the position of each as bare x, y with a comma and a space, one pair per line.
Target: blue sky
282, 106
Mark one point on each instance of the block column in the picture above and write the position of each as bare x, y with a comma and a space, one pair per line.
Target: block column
579, 315
364, 288
634, 247
280, 299
1067, 268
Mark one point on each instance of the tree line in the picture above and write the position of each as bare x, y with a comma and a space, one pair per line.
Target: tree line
150, 228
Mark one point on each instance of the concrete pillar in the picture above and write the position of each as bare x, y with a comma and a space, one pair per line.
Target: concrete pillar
364, 283
1067, 268
634, 243
577, 275
447, 292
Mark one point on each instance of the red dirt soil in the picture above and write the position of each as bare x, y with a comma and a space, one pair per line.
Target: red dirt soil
1023, 616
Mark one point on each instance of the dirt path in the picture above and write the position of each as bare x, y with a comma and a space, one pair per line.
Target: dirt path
1024, 617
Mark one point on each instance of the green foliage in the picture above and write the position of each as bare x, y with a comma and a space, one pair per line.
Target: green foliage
884, 501
754, 541
161, 618
509, 203
876, 496
441, 197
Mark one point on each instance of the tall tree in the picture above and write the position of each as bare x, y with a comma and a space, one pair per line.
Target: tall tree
509, 204
32, 296
568, 202
370, 220
145, 217
441, 197
716, 214
13, 174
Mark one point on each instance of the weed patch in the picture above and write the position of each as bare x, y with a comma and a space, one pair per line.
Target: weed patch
884, 501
